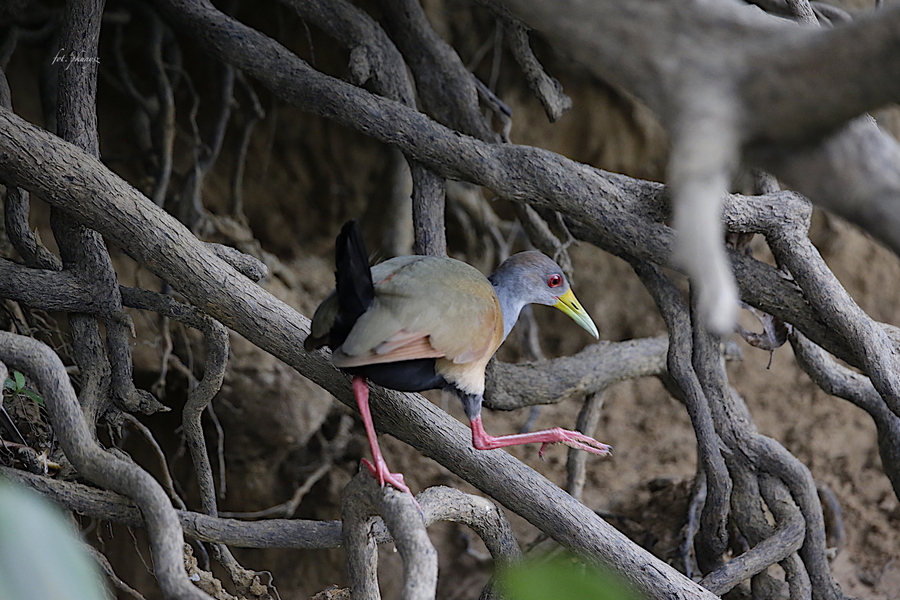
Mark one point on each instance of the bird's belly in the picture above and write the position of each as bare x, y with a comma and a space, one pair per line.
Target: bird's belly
404, 376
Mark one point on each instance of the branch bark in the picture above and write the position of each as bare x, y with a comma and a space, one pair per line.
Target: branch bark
106, 372
375, 59
362, 499
438, 504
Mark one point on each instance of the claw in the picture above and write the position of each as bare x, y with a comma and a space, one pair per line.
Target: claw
383, 476
579, 441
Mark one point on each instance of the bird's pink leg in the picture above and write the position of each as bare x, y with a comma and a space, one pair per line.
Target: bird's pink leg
483, 441
379, 469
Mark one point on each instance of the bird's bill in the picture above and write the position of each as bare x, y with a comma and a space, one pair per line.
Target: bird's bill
569, 304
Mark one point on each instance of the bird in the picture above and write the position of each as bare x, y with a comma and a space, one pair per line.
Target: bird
414, 323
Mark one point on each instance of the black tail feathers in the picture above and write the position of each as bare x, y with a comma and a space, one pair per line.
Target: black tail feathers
353, 276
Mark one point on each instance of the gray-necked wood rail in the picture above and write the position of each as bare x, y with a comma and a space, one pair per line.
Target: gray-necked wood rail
417, 323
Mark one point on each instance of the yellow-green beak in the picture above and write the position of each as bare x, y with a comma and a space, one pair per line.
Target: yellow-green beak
569, 304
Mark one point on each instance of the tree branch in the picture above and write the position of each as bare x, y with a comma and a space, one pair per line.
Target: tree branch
106, 372
776, 546
438, 504
50, 289
712, 538
375, 59
845, 383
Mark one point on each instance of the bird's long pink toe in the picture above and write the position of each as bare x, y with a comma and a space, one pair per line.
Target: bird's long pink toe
381, 472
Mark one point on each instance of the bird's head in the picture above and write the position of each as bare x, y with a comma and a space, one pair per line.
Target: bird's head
534, 278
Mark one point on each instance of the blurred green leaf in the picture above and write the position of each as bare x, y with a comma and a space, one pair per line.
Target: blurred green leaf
20, 379
561, 578
40, 556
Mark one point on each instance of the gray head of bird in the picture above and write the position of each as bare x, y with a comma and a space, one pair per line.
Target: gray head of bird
534, 278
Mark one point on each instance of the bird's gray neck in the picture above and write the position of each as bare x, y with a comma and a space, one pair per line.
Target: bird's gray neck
510, 305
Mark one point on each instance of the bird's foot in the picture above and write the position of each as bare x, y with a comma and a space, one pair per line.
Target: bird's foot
482, 441
574, 439
380, 471
383, 475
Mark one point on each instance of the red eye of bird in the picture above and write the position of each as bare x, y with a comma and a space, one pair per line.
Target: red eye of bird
554, 280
